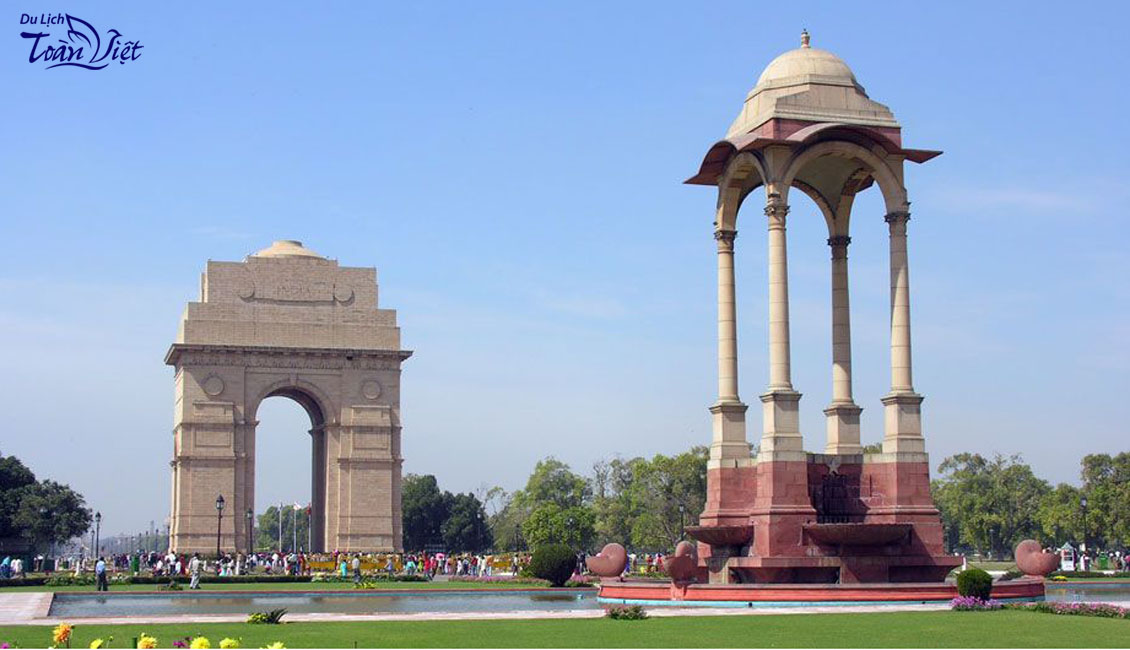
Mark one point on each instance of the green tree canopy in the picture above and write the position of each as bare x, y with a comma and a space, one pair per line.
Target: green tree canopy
424, 509
466, 526
42, 512
267, 530
552, 481
1106, 484
989, 505
549, 523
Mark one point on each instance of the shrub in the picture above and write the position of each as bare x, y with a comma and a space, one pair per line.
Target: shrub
553, 562
69, 580
507, 580
273, 617
23, 582
626, 613
1011, 574
975, 582
1091, 574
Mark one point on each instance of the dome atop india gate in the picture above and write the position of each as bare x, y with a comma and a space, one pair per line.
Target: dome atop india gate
287, 248
810, 85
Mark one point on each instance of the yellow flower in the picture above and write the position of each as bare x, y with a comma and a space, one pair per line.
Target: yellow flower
146, 641
277, 645
62, 633
229, 643
200, 643
97, 643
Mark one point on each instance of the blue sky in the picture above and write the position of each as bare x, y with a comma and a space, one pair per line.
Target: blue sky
513, 170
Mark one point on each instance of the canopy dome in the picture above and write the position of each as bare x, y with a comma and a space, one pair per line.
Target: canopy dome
809, 85
793, 66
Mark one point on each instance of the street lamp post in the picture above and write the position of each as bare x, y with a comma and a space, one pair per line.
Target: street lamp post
97, 533
219, 521
250, 525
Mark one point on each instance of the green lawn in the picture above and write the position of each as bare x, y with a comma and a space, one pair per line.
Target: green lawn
289, 586
883, 630
994, 566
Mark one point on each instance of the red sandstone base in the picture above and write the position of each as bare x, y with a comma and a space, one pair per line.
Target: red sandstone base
643, 592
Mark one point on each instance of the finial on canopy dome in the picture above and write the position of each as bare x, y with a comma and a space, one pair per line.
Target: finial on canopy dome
804, 38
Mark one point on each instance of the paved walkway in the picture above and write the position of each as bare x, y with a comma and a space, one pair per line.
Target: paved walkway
31, 608
23, 607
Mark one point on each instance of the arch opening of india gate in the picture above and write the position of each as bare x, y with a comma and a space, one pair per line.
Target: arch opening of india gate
287, 322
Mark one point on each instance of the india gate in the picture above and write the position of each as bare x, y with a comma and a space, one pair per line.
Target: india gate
287, 322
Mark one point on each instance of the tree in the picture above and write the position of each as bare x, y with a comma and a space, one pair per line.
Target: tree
465, 528
991, 505
14, 477
1106, 484
646, 503
549, 523
612, 500
553, 482
42, 512
51, 513
425, 509
667, 493
1059, 515
267, 535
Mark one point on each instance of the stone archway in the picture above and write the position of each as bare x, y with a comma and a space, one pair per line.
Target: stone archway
287, 322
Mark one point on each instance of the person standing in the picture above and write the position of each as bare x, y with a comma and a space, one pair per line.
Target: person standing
100, 575
194, 570
356, 569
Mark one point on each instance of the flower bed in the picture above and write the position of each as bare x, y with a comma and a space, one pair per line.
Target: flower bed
974, 604
1076, 609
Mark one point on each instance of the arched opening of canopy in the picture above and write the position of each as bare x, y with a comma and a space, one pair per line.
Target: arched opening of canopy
834, 174
289, 486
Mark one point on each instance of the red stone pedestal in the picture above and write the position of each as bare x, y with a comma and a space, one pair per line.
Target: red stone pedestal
826, 519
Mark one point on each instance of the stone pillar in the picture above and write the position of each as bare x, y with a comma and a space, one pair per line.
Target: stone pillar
843, 413
781, 432
729, 447
727, 318
903, 418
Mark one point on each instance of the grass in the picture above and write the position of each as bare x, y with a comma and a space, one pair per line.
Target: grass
286, 586
994, 566
1001, 629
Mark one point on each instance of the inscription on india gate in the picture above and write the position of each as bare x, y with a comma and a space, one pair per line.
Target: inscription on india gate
287, 321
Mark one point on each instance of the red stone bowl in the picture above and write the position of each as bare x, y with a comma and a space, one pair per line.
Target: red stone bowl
683, 566
857, 534
609, 562
1033, 561
722, 535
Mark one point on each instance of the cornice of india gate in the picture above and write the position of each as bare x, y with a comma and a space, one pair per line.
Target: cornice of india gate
283, 357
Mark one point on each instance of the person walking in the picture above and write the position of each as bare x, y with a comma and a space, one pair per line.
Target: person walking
194, 570
100, 575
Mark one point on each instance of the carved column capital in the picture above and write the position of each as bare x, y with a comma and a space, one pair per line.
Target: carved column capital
839, 241
897, 220
776, 209
725, 239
